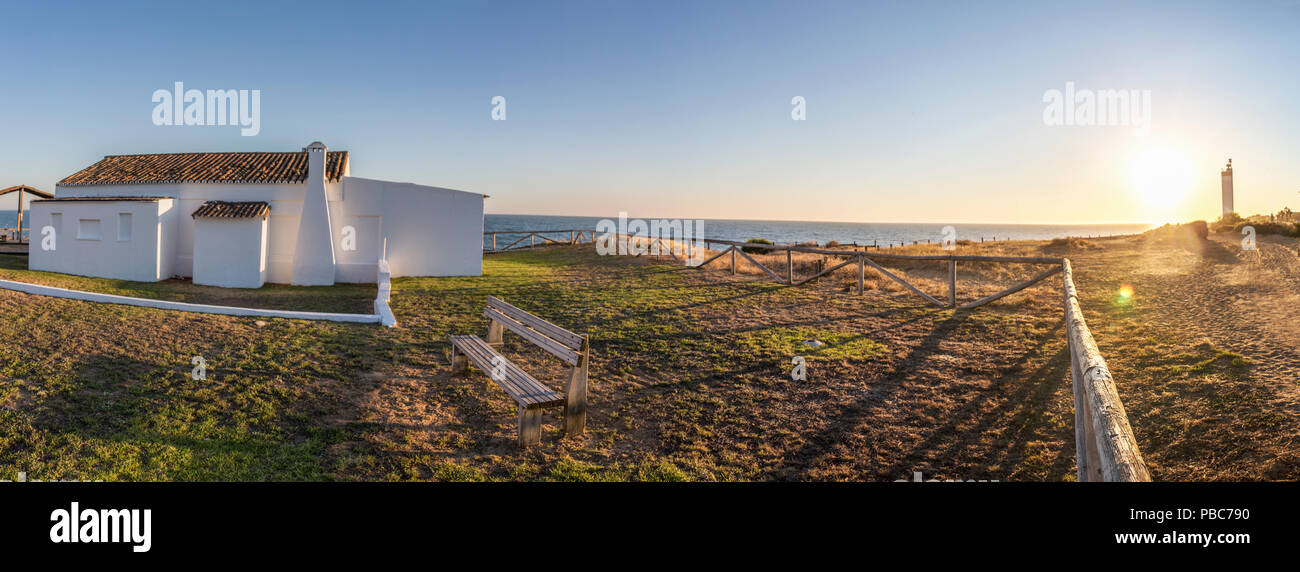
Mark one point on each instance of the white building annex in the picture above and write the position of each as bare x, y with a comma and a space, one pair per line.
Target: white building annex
242, 219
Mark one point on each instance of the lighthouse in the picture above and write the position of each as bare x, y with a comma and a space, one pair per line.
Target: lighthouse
1226, 175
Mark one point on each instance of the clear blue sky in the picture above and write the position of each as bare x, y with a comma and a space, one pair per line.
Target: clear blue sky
917, 111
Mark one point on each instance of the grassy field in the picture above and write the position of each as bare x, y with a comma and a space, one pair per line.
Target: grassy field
689, 380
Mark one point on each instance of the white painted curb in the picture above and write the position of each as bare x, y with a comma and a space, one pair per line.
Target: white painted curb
207, 308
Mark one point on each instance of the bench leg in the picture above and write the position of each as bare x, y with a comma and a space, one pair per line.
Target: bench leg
459, 362
530, 426
575, 406
495, 329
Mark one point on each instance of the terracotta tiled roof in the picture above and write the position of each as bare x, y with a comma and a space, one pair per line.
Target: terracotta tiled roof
225, 209
290, 167
83, 199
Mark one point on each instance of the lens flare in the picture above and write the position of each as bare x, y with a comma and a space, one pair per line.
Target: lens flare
1125, 294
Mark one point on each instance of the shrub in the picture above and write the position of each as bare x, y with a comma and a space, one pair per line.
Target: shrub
1199, 228
1227, 222
756, 250
1229, 219
1280, 228
1069, 243
832, 244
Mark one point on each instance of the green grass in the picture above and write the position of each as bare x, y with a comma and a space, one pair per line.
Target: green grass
790, 341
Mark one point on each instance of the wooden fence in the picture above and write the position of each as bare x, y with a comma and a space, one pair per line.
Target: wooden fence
1105, 448
864, 259
14, 235
575, 236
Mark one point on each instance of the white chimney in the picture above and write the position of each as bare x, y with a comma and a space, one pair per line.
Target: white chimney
313, 255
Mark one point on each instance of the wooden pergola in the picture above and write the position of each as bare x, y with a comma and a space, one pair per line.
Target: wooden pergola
17, 231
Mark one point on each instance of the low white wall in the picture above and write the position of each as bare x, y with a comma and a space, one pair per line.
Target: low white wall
183, 306
230, 252
126, 243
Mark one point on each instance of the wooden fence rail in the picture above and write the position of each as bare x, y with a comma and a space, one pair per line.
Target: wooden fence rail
1105, 449
575, 236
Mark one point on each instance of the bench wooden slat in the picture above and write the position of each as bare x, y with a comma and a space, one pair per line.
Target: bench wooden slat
537, 338
522, 387
472, 349
571, 340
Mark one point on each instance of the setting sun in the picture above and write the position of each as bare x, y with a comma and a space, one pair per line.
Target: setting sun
1162, 176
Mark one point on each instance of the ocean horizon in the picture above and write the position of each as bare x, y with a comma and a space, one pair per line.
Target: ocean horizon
801, 231
823, 232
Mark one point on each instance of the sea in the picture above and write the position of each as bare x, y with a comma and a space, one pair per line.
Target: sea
10, 218
785, 232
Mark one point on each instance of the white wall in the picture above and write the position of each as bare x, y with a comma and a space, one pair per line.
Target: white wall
230, 252
130, 255
431, 231
285, 201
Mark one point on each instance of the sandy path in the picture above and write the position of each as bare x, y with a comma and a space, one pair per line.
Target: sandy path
1244, 301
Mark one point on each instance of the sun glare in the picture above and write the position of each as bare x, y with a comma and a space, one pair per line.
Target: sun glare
1163, 177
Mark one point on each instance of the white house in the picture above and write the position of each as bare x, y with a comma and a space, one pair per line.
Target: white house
244, 219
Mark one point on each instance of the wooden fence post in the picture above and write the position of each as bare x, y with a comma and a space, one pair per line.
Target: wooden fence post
733, 261
789, 266
861, 275
952, 283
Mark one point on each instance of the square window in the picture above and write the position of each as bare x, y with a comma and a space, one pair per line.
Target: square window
88, 229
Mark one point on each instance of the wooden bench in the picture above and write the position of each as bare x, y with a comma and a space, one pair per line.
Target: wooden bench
529, 394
